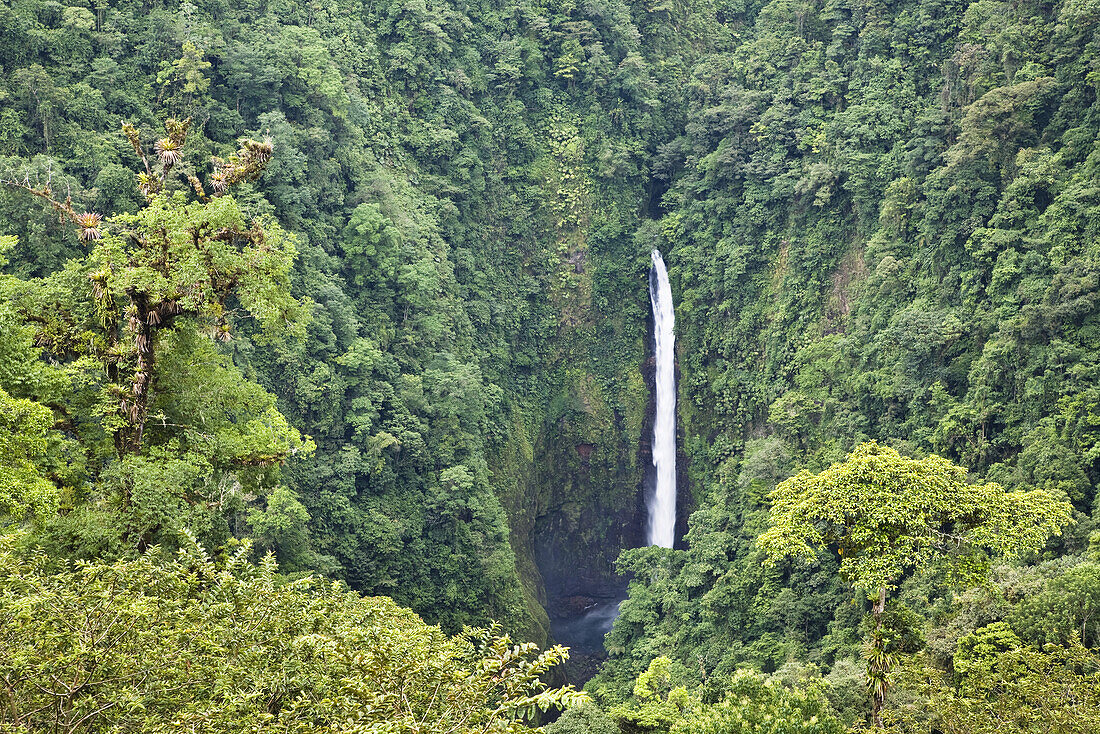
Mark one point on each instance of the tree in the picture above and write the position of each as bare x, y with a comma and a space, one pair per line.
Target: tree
587, 718
174, 261
658, 700
141, 324
24, 424
889, 515
756, 704
747, 702
23, 428
183, 80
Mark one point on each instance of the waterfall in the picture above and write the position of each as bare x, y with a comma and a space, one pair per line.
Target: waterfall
662, 505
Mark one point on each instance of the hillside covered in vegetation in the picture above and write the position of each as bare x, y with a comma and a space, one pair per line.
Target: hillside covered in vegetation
360, 288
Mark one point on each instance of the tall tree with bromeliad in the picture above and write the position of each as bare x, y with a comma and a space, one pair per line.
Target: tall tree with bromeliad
174, 433
888, 515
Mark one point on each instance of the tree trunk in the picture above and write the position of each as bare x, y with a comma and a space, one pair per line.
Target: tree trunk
878, 662
144, 323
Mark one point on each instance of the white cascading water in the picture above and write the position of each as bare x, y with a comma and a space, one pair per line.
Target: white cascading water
662, 506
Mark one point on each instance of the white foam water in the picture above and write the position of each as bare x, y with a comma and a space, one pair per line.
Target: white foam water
662, 505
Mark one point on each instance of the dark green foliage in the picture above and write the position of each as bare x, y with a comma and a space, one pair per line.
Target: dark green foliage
441, 181
882, 222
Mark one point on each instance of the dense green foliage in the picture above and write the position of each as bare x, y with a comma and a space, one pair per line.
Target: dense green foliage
167, 645
888, 515
436, 176
881, 220
745, 703
170, 438
882, 223
1003, 684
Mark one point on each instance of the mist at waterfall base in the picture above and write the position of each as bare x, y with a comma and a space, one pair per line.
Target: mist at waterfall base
662, 503
585, 633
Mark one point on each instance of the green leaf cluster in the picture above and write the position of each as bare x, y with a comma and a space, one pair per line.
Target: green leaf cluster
164, 643
888, 515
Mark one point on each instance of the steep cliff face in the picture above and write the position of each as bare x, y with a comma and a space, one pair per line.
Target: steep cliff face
584, 497
588, 462
594, 476
590, 506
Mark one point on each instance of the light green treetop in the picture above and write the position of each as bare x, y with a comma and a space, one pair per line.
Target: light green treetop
889, 514
23, 428
25, 425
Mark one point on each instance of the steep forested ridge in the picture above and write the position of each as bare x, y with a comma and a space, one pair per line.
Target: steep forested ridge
435, 170
880, 219
883, 227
